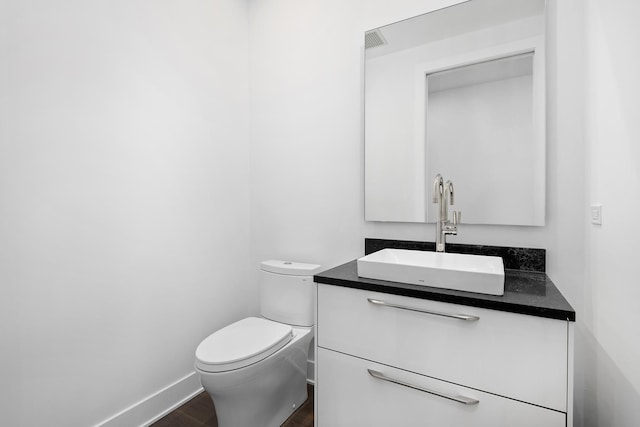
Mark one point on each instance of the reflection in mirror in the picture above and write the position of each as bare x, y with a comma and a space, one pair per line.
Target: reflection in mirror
459, 91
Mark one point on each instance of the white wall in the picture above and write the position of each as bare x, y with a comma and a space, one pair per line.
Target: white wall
612, 371
124, 198
307, 148
566, 163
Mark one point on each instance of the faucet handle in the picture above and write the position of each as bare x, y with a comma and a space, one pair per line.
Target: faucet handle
457, 217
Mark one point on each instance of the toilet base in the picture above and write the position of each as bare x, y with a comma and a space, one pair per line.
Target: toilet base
266, 393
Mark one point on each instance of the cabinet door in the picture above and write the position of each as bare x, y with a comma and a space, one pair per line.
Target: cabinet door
348, 395
522, 357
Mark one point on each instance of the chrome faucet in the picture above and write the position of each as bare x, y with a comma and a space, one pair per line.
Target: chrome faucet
443, 195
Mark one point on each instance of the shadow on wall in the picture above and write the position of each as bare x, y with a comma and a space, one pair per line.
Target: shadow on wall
610, 399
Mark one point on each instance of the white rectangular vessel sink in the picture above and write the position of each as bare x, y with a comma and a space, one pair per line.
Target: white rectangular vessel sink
471, 273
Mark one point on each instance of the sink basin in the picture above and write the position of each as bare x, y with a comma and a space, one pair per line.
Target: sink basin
471, 273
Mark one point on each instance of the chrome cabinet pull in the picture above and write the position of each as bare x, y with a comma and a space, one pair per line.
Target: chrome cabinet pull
456, 398
467, 317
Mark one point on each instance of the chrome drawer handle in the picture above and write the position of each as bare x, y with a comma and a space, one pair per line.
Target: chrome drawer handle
457, 398
467, 317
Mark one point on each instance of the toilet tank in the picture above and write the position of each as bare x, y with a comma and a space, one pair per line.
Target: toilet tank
287, 292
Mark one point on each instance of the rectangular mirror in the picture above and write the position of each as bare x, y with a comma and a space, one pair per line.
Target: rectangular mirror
460, 92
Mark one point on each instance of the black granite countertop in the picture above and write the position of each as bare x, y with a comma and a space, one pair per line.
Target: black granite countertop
525, 292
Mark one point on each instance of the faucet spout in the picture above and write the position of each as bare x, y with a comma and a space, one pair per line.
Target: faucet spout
438, 189
449, 190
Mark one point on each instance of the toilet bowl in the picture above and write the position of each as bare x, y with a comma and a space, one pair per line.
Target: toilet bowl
256, 368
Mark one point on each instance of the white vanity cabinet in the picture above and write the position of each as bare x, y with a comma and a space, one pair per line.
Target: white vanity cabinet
390, 360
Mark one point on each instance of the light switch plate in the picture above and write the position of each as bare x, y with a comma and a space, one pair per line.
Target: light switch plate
596, 214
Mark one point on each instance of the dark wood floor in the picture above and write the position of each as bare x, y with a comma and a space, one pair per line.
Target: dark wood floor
200, 412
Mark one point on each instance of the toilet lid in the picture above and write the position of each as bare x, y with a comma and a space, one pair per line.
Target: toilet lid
242, 343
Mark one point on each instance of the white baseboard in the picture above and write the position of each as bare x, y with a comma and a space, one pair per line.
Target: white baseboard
157, 405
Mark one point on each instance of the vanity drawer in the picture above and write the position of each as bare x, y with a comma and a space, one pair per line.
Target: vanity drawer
348, 395
517, 356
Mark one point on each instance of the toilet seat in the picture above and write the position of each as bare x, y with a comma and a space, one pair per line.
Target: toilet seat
242, 343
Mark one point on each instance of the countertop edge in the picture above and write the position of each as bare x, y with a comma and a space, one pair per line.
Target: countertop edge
448, 296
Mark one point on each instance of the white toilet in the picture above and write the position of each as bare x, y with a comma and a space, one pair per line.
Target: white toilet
255, 369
